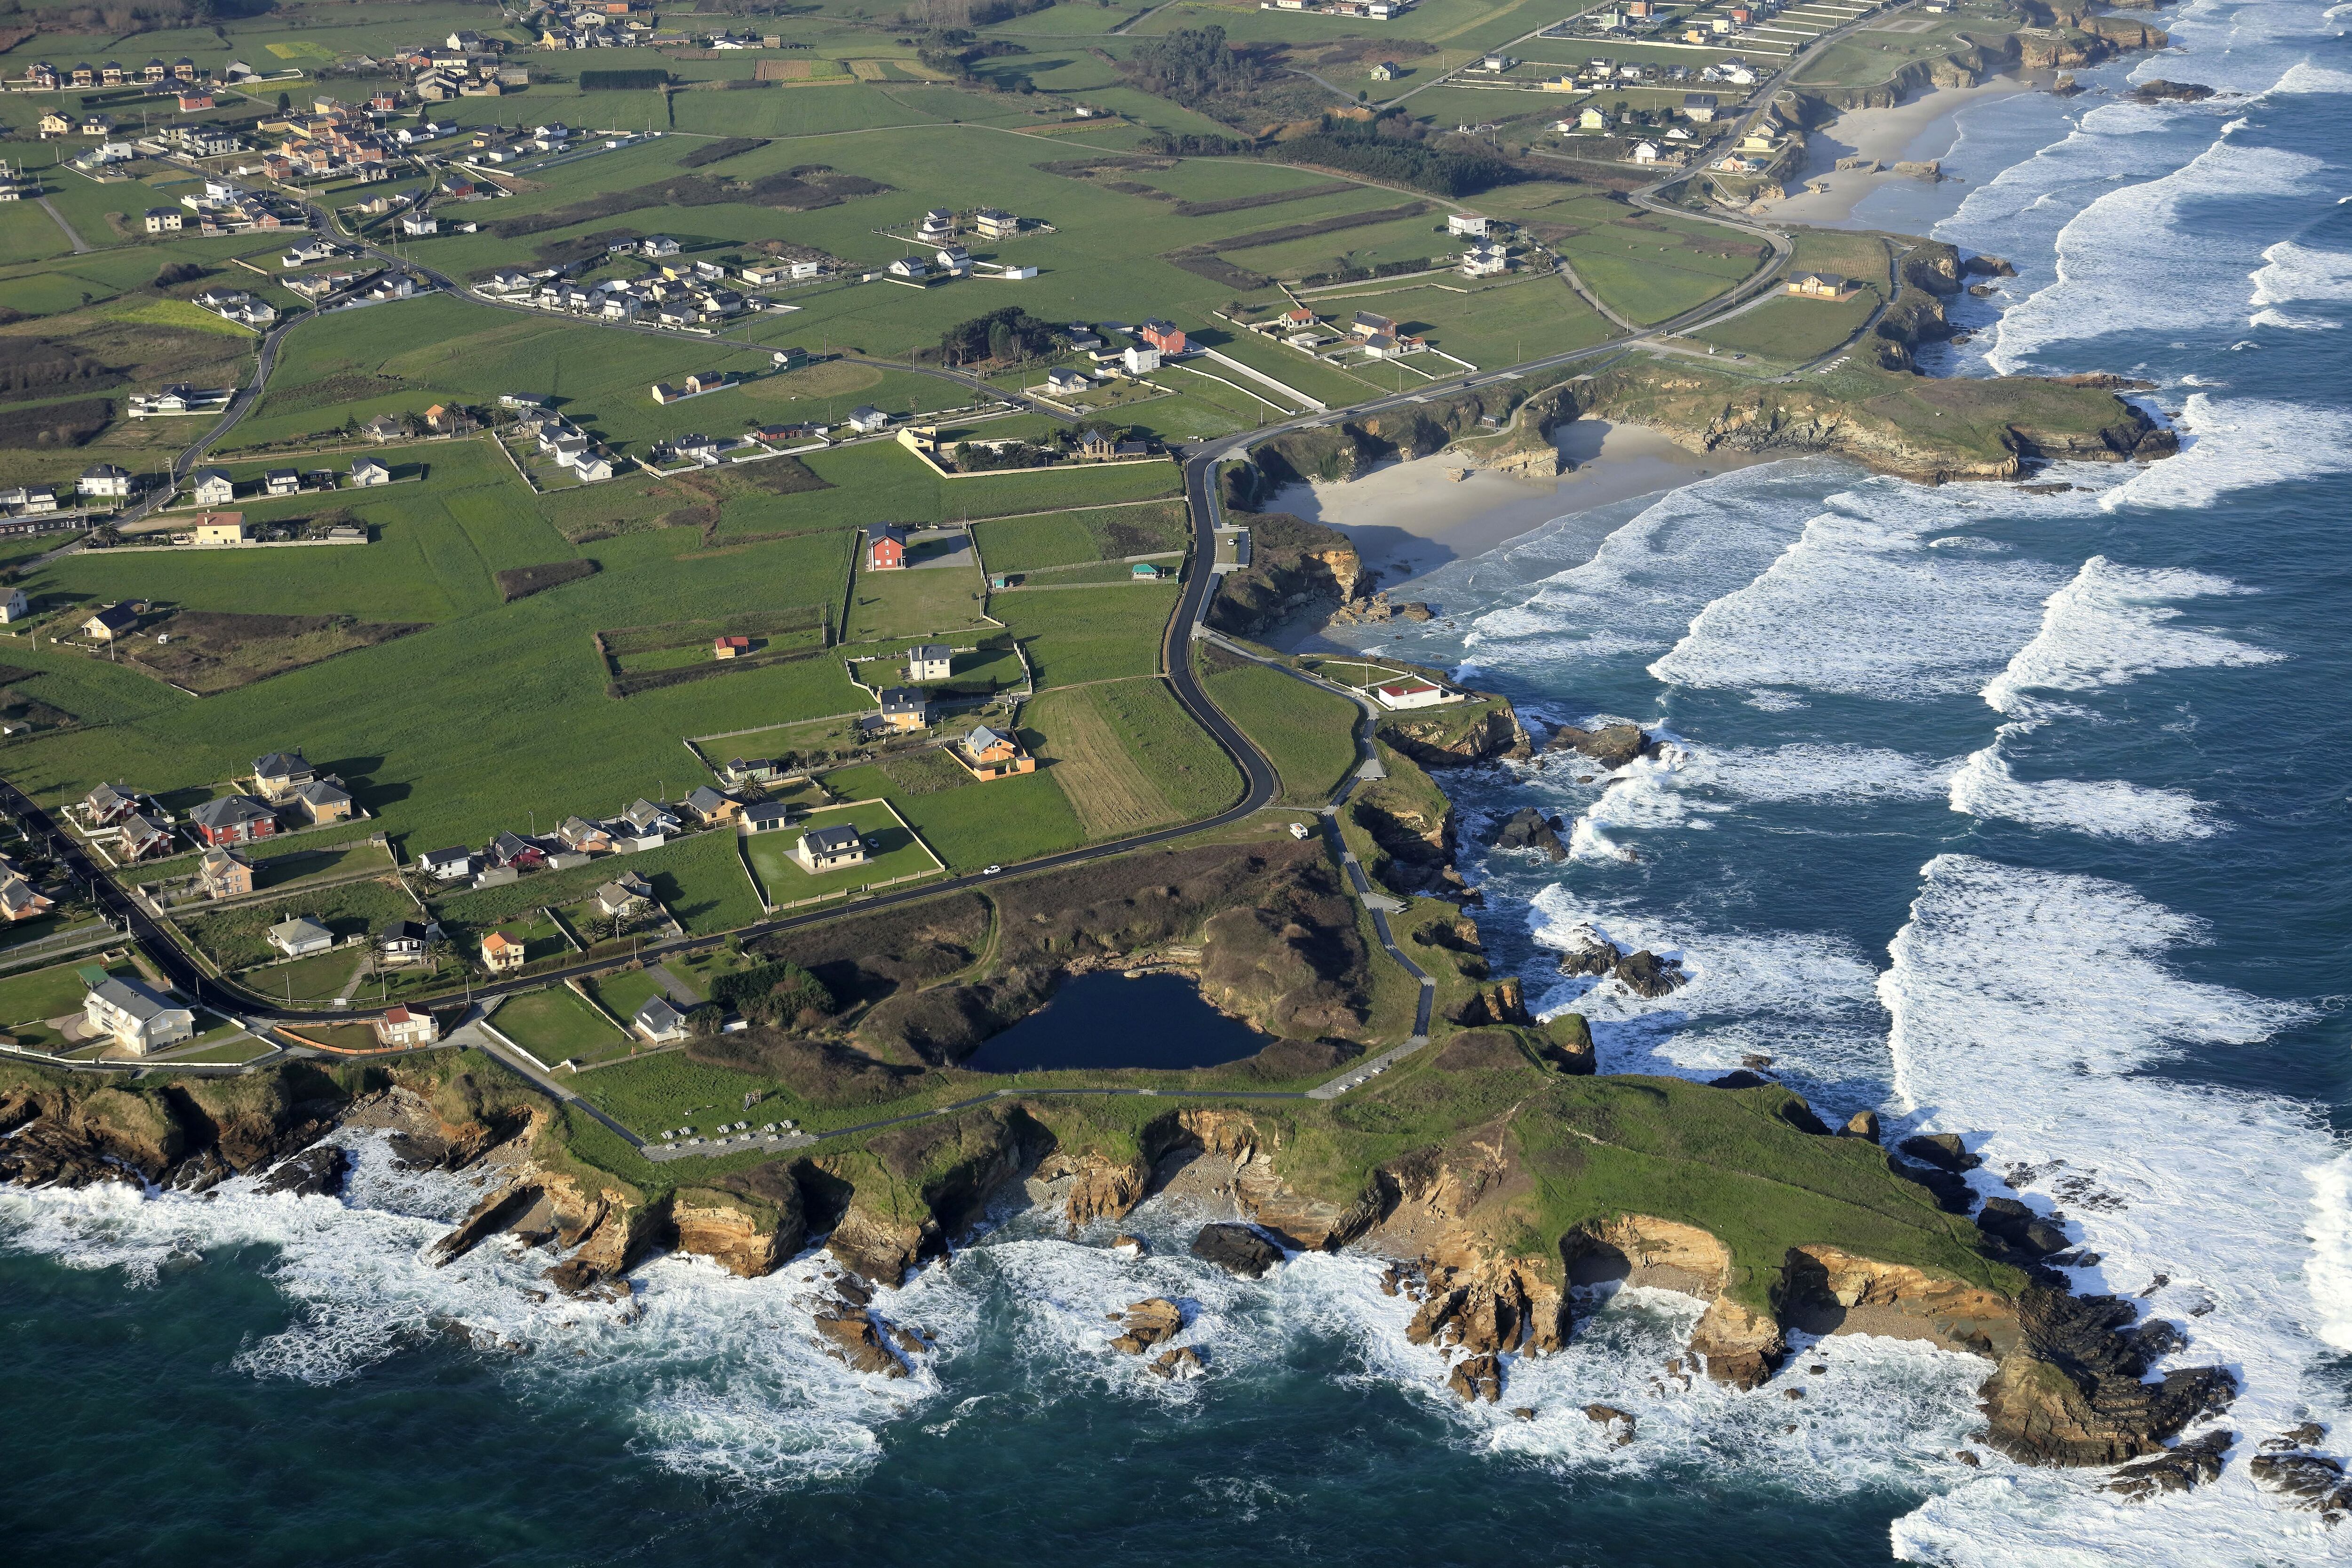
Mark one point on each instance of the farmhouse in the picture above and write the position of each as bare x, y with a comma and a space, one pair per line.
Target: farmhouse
910, 268
501, 954
988, 753
729, 646
111, 622
994, 223
401, 1026
367, 472
829, 848
756, 769
232, 819
134, 1014
1165, 336
225, 874
886, 547
301, 935
930, 661
866, 419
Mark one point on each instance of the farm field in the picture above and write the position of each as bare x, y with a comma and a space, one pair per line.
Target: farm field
976, 824
1306, 733
1128, 756
1098, 634
1789, 332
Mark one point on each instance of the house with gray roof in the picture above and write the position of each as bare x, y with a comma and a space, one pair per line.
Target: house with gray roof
133, 1013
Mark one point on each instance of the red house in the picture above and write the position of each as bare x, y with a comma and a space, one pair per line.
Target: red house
232, 819
886, 548
1165, 336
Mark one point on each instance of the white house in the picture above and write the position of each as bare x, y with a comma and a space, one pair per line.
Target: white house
659, 1022
16, 606
1140, 359
212, 487
830, 849
1063, 382
1485, 262
134, 1013
1411, 694
1645, 151
446, 865
1468, 224
929, 661
866, 419
367, 471
301, 935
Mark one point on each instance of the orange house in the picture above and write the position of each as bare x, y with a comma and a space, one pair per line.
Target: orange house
729, 647
886, 548
501, 954
988, 753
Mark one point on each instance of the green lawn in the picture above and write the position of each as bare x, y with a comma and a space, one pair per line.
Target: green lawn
1129, 757
554, 1024
1308, 734
319, 978
46, 993
914, 602
1092, 635
1786, 330
235, 938
623, 994
979, 824
898, 854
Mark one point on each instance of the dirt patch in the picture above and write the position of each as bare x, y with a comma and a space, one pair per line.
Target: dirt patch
212, 651
37, 367
782, 477
523, 582
1264, 199
55, 424
726, 147
1218, 271
1481, 1050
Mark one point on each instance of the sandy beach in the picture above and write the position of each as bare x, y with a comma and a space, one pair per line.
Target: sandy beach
1408, 519
1909, 132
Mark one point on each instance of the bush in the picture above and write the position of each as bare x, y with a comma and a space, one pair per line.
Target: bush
623, 80
776, 994
177, 272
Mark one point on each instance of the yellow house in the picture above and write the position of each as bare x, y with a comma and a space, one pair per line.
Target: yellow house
501, 954
221, 528
1561, 83
1816, 285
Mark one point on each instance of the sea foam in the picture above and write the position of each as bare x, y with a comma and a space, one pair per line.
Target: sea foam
2114, 623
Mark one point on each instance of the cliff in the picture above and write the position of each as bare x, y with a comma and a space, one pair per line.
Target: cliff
1292, 563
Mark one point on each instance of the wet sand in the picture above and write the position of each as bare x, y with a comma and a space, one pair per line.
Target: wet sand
1909, 132
1409, 518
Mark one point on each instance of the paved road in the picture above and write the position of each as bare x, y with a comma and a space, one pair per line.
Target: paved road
72, 239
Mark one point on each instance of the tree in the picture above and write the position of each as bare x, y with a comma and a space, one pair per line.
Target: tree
285, 103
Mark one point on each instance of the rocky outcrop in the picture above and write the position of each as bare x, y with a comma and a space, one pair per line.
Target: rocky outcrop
1739, 1347
1567, 1044
1450, 738
1180, 1366
1620, 1423
2191, 1464
1477, 1377
1825, 1290
2069, 1391
1488, 1306
1500, 1003
2156, 89
315, 1173
746, 1239
1099, 1187
1611, 747
1148, 1323
2300, 1479
881, 1248
1860, 1124
1380, 609
1236, 1248
1645, 974
1587, 951
1528, 828
851, 1337
1292, 563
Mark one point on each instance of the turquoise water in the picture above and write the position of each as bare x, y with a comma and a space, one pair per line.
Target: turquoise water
2018, 816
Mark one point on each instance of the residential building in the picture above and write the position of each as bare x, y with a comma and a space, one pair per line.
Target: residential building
1592, 119
1817, 285
647, 817
221, 528
952, 259
322, 802
1064, 383
886, 547
1165, 336
729, 646
1367, 325
20, 900
402, 1027
232, 819
830, 849
300, 936
938, 224
512, 849
225, 874
142, 839
1699, 108
1145, 572
1645, 151
446, 865
162, 220
15, 607
402, 941
111, 622
212, 487
906, 708
107, 481
1140, 360
712, 807
281, 482
107, 805
910, 268
281, 775
1466, 225
367, 472
994, 223
583, 836
657, 246
988, 753
866, 419
625, 896
501, 954
754, 770
133, 1013
930, 661
659, 1022
1484, 261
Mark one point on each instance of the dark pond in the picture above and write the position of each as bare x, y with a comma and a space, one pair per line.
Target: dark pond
1105, 1020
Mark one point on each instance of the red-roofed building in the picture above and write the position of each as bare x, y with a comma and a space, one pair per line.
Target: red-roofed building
1165, 336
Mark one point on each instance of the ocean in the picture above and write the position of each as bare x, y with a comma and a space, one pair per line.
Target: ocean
2018, 814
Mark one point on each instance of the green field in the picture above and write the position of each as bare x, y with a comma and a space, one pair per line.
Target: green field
1129, 757
1096, 634
1786, 330
914, 602
554, 1025
1308, 734
977, 825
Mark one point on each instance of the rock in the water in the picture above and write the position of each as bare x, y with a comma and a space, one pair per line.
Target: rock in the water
1490, 1310
1861, 1124
1527, 829
1523, 1412
2302, 1480
2070, 1392
2156, 89
316, 1172
2192, 1464
1741, 1348
1477, 1377
1149, 1323
1127, 1246
1182, 1364
850, 1336
1944, 1151
1589, 953
1646, 974
1739, 1078
1612, 746
1236, 1248
2302, 1437
2020, 1228
1620, 1423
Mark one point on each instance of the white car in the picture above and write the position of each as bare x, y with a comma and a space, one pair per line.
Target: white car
989, 870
